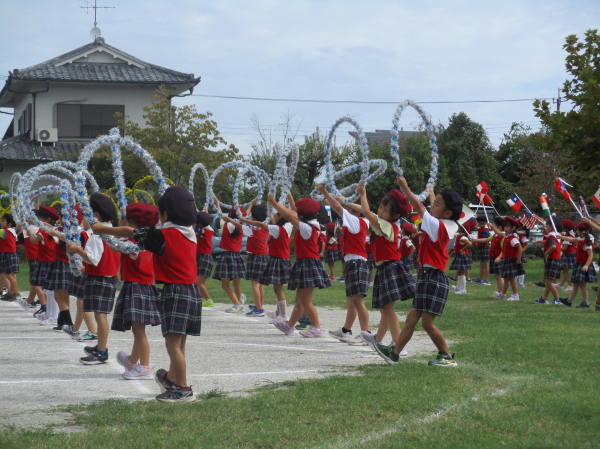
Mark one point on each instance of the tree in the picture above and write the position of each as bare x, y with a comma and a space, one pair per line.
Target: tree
576, 134
513, 152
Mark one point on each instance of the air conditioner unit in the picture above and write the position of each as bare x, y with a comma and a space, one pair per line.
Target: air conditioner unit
47, 134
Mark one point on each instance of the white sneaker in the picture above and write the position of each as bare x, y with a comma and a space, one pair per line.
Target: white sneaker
123, 360
357, 341
313, 332
138, 372
271, 314
243, 299
279, 319
341, 335
235, 309
568, 288
369, 339
371, 284
403, 353
513, 297
460, 292
558, 287
499, 295
520, 285
50, 321
454, 288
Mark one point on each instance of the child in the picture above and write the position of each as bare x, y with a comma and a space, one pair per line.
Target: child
31, 253
354, 233
567, 258
523, 234
204, 259
9, 264
584, 272
308, 271
278, 269
59, 279
495, 251
331, 254
230, 266
552, 260
483, 250
461, 262
511, 259
407, 248
370, 259
257, 249
595, 224
417, 236
393, 281
439, 226
101, 268
180, 305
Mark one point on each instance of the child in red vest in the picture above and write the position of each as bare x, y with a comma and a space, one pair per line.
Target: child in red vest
59, 280
511, 259
393, 281
407, 248
101, 268
552, 253
31, 253
331, 253
439, 226
523, 234
180, 306
496, 251
483, 250
567, 258
278, 269
584, 272
308, 271
9, 262
230, 266
595, 224
204, 259
461, 262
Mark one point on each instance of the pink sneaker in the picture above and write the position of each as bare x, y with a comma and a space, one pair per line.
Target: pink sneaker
123, 360
313, 332
139, 372
283, 327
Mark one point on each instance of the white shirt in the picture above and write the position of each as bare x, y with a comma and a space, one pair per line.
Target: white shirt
591, 245
431, 226
274, 230
230, 226
94, 247
306, 228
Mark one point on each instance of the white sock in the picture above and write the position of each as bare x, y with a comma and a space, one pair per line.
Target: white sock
281, 308
52, 306
461, 283
520, 279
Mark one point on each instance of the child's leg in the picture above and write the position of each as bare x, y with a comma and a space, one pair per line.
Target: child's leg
256, 294
230, 292
382, 329
237, 288
309, 308
4, 281
584, 292
361, 310
202, 287
175, 344
78, 316
298, 309
281, 302
343, 268
262, 295
392, 320
508, 281
332, 269
513, 285
467, 274
350, 313
408, 329
36, 290
486, 271
102, 320
461, 280
499, 282
565, 276
141, 348
550, 288
88, 317
434, 333
14, 286
576, 287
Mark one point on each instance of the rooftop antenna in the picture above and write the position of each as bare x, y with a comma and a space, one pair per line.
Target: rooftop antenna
95, 32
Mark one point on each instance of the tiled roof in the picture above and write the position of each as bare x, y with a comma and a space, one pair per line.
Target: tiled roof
20, 149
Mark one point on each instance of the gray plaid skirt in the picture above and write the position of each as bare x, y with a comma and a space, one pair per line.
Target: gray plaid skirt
579, 276
99, 294
136, 302
59, 276
393, 282
42, 271
277, 272
510, 268
204, 265
9, 263
357, 277
256, 267
180, 307
331, 256
495, 268
484, 252
32, 267
415, 259
77, 286
308, 273
461, 262
230, 265
431, 291
567, 260
407, 262
371, 261
552, 269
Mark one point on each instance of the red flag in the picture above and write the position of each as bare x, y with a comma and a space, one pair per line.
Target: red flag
529, 222
596, 198
484, 198
560, 186
482, 187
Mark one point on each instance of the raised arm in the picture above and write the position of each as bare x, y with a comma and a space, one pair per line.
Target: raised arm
593, 223
289, 215
122, 231
567, 238
364, 207
333, 203
290, 198
226, 219
257, 224
58, 235
412, 199
72, 248
496, 229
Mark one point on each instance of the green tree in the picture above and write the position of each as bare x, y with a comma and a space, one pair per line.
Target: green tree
576, 133
513, 152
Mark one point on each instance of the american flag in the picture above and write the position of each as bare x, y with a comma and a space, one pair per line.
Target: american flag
529, 220
584, 210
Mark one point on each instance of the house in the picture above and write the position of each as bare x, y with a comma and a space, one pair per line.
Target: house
62, 104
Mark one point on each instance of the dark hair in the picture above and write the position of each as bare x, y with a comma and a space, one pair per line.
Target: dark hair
481, 218
586, 235
41, 214
307, 218
389, 201
281, 221
9, 219
499, 221
134, 224
508, 223
233, 214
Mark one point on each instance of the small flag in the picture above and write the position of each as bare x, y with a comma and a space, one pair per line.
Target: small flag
482, 188
416, 218
465, 215
484, 198
545, 207
584, 210
560, 186
515, 203
528, 221
596, 198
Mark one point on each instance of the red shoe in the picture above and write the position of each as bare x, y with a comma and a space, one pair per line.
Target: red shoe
332, 278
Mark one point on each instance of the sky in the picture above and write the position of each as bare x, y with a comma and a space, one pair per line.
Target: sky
382, 51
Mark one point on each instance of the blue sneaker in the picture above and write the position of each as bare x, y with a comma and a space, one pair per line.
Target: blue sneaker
476, 280
251, 306
542, 301
485, 283
256, 312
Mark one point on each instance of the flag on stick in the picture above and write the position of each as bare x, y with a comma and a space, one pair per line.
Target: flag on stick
529, 220
545, 207
465, 215
560, 186
584, 210
484, 198
482, 188
515, 203
596, 198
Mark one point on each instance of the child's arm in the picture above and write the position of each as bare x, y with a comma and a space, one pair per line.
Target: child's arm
520, 249
322, 248
525, 246
34, 238
333, 203
481, 240
122, 231
226, 219
412, 251
364, 207
289, 215
72, 248
496, 229
567, 238
356, 207
549, 251
257, 224
589, 260
218, 205
290, 198
58, 235
412, 199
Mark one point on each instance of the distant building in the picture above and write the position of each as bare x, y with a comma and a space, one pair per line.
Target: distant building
62, 104
383, 136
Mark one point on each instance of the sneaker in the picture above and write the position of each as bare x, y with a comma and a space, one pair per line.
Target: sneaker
558, 286
403, 353
540, 301
387, 353
470, 280
454, 288
256, 312
332, 278
513, 297
70, 332
160, 377
371, 284
50, 322
313, 332
583, 305
539, 284
251, 306
177, 394
357, 341
452, 278
568, 288
369, 339
283, 327
243, 299
556, 302
235, 309
138, 372
341, 335
123, 360
208, 303
95, 357
499, 295
521, 285
460, 292
566, 301
39, 311
303, 326
487, 283
42, 317
339, 279
342, 281
88, 336
271, 314
444, 360
476, 280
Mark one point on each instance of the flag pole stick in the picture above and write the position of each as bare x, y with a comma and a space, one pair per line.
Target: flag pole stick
575, 206
492, 204
487, 220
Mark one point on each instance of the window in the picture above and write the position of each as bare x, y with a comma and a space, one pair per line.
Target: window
87, 120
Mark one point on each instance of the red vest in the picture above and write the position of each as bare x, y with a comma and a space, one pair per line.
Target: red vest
306, 249
31, 250
280, 247
228, 243
418, 240
405, 250
60, 250
46, 247
329, 246
139, 270
9, 244
458, 246
204, 245
369, 247
178, 263
495, 247
582, 255
570, 248
435, 253
257, 242
108, 265
509, 251
548, 242
355, 243
480, 236
384, 249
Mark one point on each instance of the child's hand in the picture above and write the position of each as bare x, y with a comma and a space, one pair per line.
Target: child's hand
122, 222
401, 180
71, 247
340, 199
360, 189
271, 200
30, 221
585, 268
519, 261
97, 228
497, 260
321, 188
290, 196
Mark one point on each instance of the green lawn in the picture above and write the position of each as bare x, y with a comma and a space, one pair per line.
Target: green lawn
526, 378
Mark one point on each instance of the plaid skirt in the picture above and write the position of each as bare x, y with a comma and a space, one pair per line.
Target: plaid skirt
59, 276
331, 256
415, 259
495, 268
77, 286
407, 263
393, 282
180, 307
42, 271
256, 267
579, 276
484, 253
99, 294
136, 302
431, 291
567, 260
32, 267
229, 266
308, 273
510, 268
552, 269
357, 277
371, 261
460, 262
9, 263
204, 265
277, 272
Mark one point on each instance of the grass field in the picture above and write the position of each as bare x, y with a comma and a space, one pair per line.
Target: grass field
527, 377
